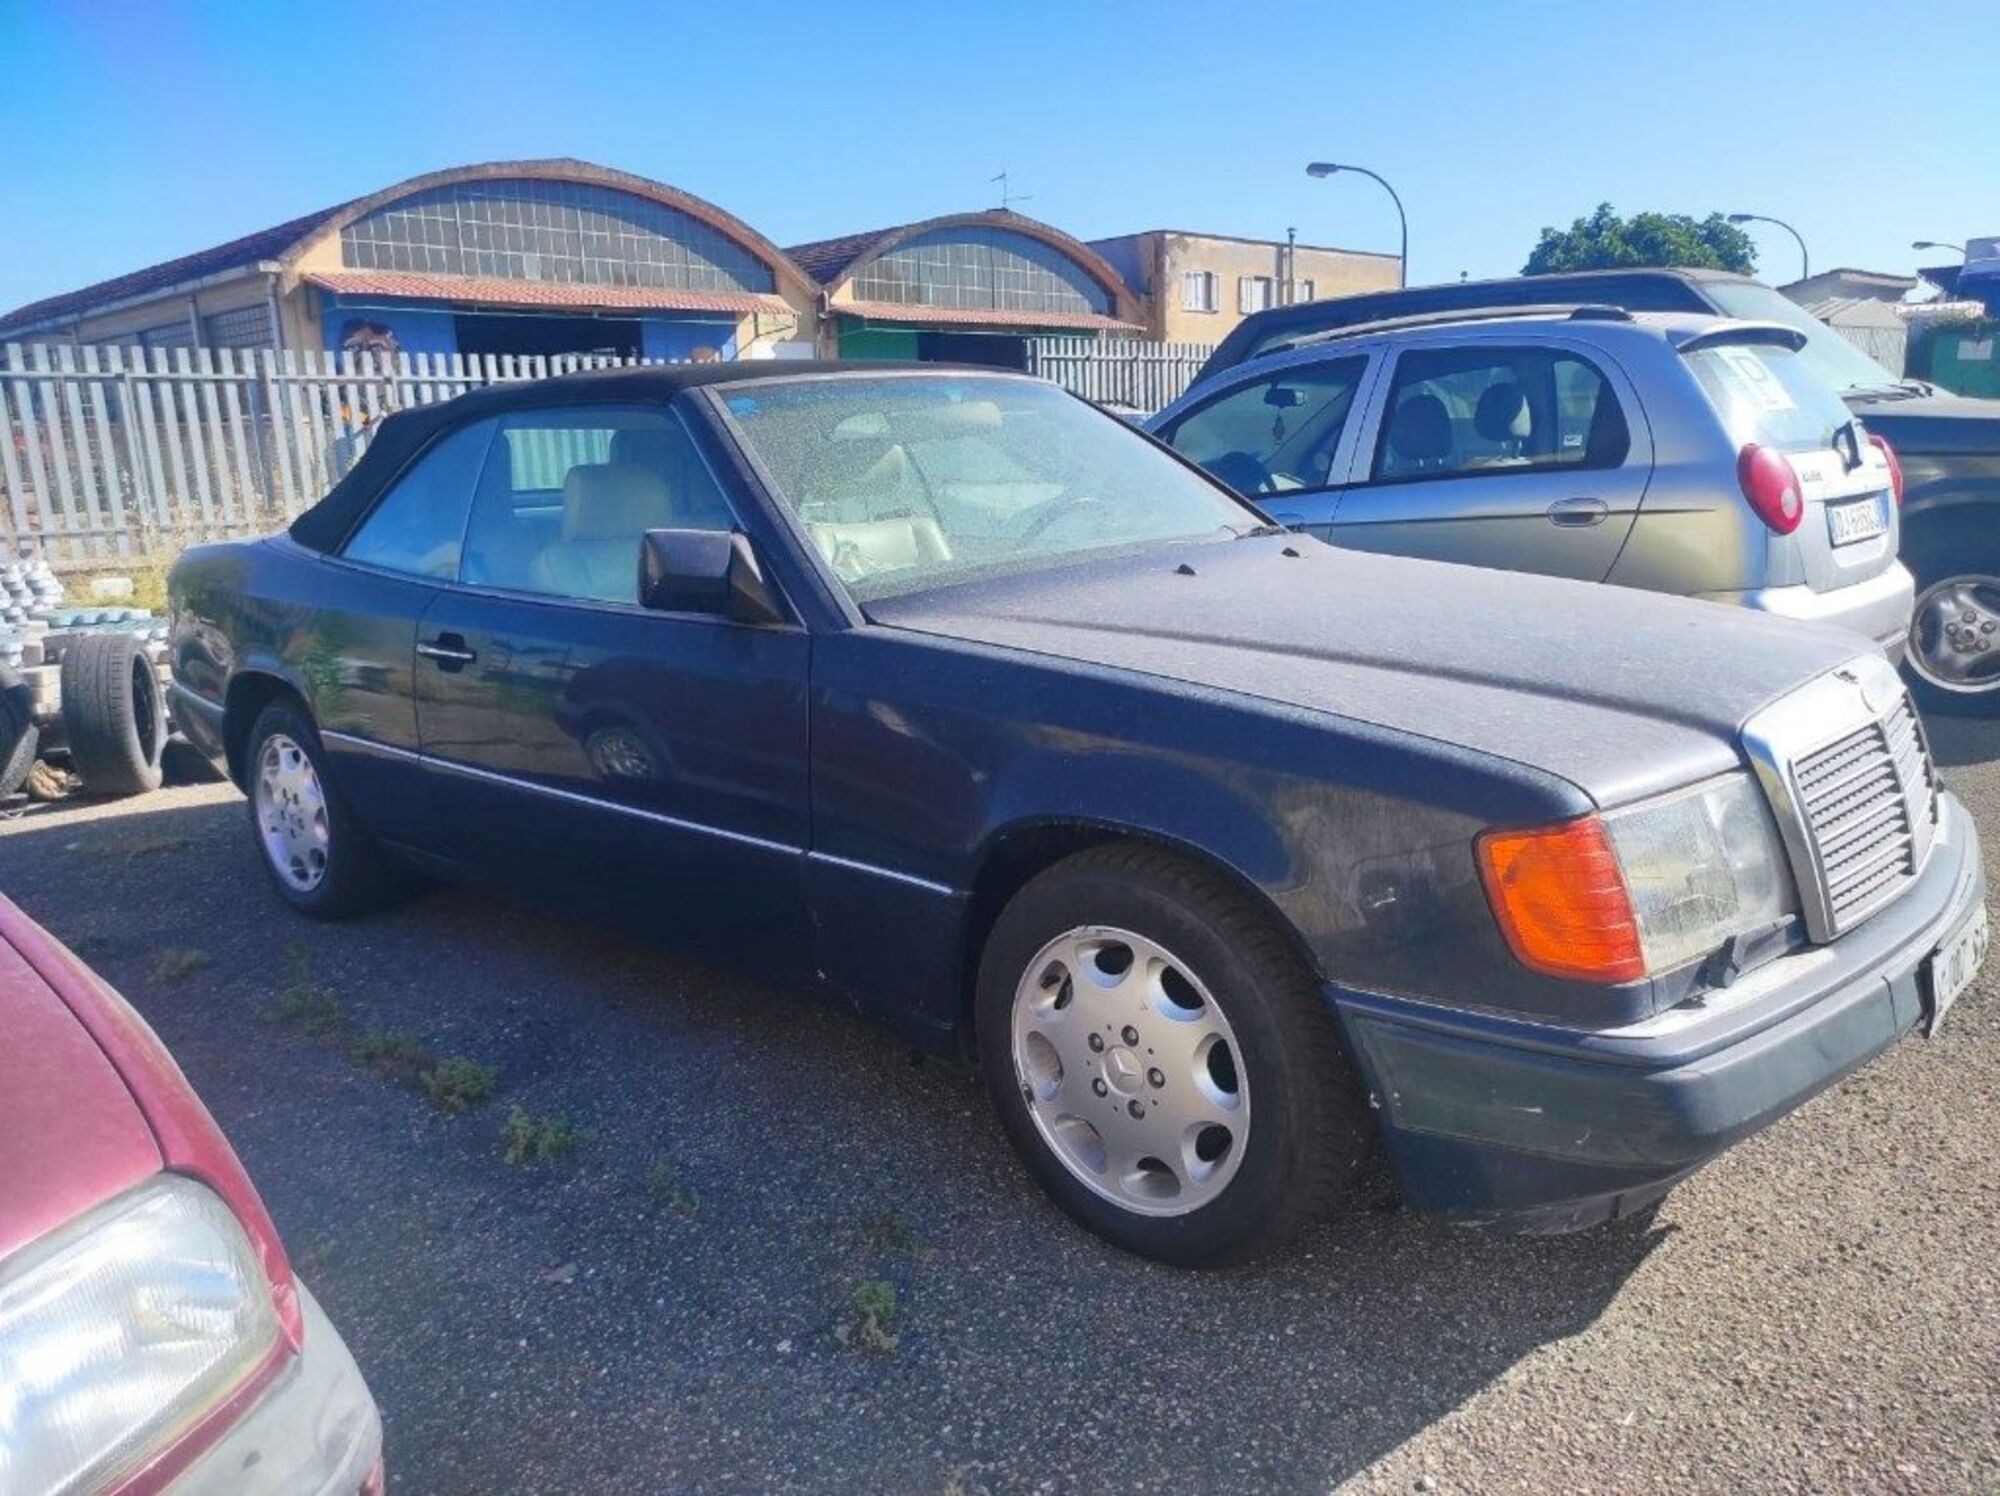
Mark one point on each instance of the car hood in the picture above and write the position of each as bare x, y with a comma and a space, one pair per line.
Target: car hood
1931, 425
1623, 693
71, 1134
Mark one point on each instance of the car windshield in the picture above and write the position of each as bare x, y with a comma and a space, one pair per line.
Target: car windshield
1826, 352
911, 481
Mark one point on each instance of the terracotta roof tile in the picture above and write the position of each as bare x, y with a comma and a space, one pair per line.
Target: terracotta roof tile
967, 316
499, 291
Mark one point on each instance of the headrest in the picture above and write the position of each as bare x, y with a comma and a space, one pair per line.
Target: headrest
1420, 430
1502, 414
859, 465
614, 501
1609, 440
655, 447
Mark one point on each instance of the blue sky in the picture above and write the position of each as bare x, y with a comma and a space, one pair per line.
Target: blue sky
138, 132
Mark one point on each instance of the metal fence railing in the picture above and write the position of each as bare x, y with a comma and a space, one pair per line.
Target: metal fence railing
1136, 372
119, 454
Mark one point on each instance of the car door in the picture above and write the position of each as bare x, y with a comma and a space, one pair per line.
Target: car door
357, 648
645, 765
1521, 456
1281, 438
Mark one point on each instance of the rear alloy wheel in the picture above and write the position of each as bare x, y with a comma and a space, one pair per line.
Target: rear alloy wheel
321, 860
1163, 1060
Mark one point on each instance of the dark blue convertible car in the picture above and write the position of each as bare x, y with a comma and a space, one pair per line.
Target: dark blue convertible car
1227, 855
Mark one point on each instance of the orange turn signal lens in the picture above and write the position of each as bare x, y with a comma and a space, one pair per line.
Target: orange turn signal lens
1561, 902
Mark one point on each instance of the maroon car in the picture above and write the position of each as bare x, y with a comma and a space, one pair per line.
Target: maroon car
152, 1336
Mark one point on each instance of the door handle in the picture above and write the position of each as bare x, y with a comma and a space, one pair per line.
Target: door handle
1574, 513
447, 650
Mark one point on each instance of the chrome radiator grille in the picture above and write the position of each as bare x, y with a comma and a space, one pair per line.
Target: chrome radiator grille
1870, 807
1849, 776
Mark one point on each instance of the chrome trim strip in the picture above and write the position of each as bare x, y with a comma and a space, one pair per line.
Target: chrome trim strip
697, 827
884, 872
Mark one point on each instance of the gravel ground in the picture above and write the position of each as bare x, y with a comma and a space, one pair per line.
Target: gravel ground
672, 1306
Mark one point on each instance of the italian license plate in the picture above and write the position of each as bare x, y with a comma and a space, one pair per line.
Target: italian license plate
1864, 520
1952, 967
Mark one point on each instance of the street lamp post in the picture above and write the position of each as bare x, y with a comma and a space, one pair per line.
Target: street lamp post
1957, 249
1805, 265
1328, 168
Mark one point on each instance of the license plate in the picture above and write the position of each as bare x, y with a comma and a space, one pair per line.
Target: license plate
1952, 967
1847, 523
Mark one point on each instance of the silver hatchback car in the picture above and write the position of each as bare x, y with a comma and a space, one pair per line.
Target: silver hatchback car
1674, 452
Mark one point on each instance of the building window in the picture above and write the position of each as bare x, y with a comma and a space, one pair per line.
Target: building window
984, 269
245, 327
1198, 290
1301, 291
569, 232
1253, 293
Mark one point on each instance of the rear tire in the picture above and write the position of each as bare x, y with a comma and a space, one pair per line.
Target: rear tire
1956, 561
114, 715
1163, 1060
319, 858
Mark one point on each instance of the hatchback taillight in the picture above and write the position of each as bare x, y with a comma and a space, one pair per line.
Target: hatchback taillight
1895, 468
1771, 485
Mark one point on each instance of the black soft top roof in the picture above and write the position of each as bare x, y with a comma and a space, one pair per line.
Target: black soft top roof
401, 436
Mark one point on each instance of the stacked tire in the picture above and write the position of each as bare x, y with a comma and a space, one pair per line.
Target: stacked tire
19, 738
114, 714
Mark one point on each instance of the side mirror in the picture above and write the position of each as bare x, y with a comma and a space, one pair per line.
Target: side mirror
704, 571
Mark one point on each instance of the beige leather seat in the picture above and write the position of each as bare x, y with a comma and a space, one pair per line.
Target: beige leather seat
861, 548
607, 506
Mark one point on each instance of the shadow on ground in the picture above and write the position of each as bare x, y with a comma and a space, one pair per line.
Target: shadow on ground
661, 1310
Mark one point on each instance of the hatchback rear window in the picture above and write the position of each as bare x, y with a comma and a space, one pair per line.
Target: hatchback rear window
1767, 394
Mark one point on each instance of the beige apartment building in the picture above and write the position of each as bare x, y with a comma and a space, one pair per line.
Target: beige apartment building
1194, 288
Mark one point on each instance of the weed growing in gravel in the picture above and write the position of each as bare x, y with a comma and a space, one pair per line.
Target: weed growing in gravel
171, 963
871, 1321
538, 1140
143, 845
392, 1053
302, 1005
890, 1232
457, 1083
664, 1182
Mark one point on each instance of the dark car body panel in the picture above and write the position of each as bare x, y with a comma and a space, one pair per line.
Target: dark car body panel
840, 800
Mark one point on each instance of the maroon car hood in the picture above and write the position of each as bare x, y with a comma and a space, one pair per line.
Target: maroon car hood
71, 1135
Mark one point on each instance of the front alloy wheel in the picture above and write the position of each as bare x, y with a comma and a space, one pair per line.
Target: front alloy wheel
1163, 1059
1128, 1068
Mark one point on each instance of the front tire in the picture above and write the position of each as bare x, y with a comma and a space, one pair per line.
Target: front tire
1163, 1061
320, 859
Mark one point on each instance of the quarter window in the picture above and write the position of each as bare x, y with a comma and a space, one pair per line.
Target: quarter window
568, 492
1456, 412
1273, 435
417, 526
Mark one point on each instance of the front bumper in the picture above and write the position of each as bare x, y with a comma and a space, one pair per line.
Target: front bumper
314, 1432
1492, 1119
1879, 607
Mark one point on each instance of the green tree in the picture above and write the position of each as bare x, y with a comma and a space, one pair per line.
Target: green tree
1604, 241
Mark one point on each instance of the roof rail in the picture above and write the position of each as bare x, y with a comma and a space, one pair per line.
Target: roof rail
1588, 311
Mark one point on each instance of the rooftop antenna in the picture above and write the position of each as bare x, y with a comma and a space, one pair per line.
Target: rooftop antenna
1007, 199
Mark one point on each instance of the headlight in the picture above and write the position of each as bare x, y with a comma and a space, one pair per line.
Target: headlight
120, 1331
1700, 866
1642, 890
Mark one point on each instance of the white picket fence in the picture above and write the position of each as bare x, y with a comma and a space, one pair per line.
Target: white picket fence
113, 454
1136, 372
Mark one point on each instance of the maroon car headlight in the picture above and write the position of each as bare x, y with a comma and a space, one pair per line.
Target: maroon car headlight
121, 1331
